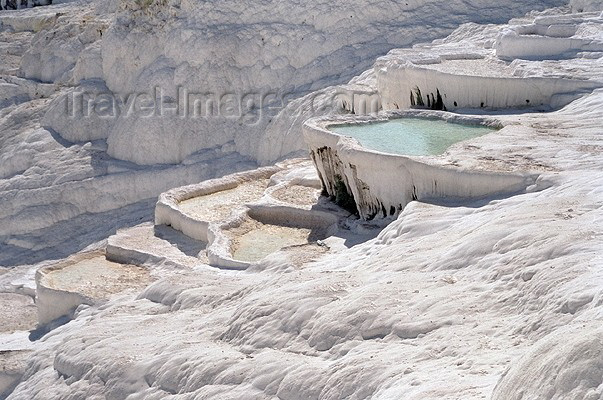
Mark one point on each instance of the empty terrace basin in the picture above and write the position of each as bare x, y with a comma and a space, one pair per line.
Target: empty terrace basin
298, 195
10, 321
83, 279
217, 206
410, 136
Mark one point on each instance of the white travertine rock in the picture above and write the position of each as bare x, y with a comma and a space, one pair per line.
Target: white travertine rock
586, 5
89, 64
279, 47
74, 120
567, 364
551, 37
56, 49
437, 305
519, 66
381, 184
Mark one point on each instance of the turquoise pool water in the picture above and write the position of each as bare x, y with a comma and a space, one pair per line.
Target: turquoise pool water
411, 136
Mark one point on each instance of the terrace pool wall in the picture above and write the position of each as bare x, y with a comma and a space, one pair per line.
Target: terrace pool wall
234, 213
380, 185
169, 212
519, 67
463, 90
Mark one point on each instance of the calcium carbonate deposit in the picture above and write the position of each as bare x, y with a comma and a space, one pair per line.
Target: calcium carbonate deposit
215, 200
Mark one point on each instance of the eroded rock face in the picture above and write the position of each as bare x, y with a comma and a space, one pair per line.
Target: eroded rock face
282, 48
586, 5
268, 56
73, 120
55, 52
18, 4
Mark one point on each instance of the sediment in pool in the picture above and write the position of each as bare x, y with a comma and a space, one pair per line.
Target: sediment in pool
253, 240
218, 206
298, 195
85, 278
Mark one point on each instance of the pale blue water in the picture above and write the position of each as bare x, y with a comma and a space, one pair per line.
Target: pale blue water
411, 136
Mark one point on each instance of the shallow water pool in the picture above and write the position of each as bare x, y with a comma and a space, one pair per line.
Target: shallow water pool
265, 239
411, 136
